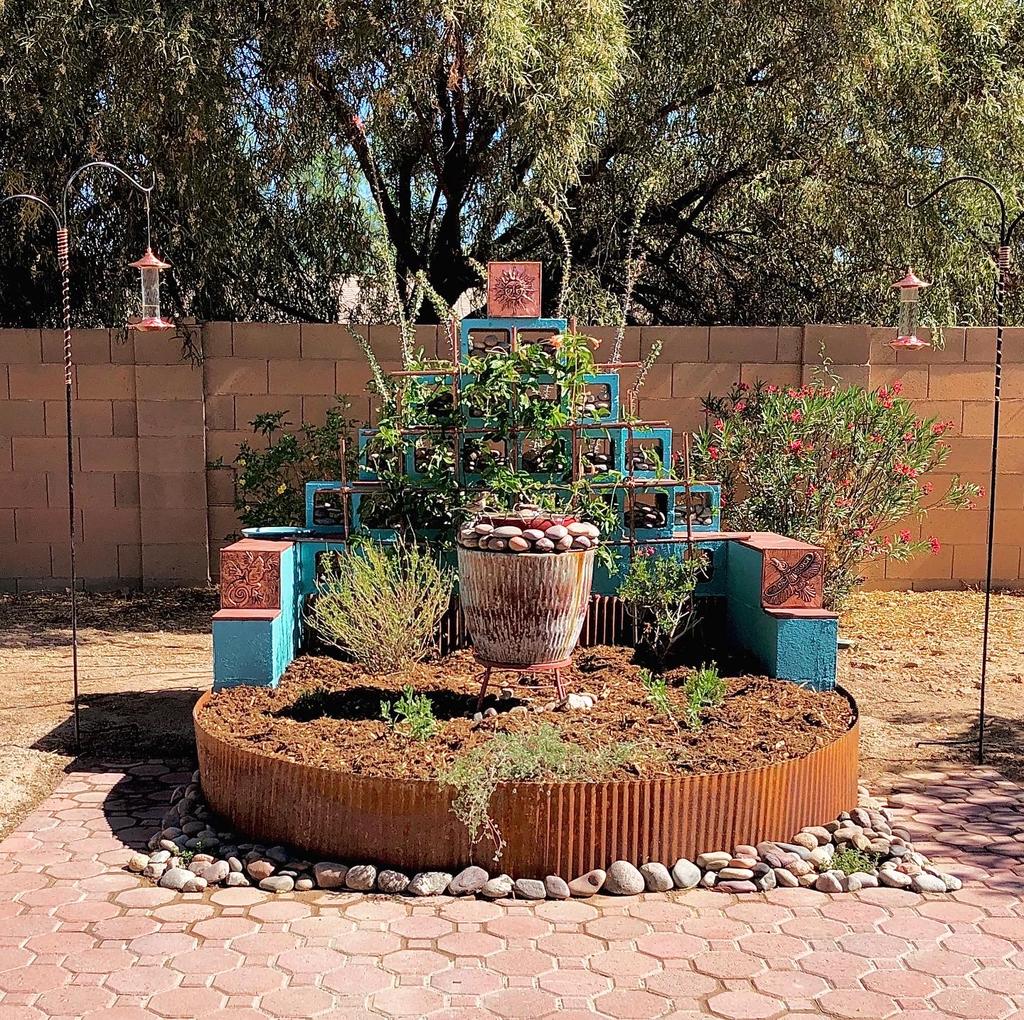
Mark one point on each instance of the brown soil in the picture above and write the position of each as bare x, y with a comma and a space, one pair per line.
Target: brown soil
328, 713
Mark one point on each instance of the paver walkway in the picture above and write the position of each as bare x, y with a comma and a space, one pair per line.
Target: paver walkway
79, 937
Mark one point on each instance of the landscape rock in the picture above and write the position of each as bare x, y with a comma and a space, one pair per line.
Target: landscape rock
303, 884
731, 873
530, 889
361, 877
392, 882
260, 868
830, 882
656, 877
429, 883
497, 888
278, 884
926, 882
785, 879
685, 874
236, 878
468, 882
154, 871
588, 884
215, 872
715, 860
138, 862
894, 879
623, 879
556, 888
176, 879
329, 875
735, 886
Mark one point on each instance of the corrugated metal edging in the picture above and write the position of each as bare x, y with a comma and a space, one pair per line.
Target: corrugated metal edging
550, 828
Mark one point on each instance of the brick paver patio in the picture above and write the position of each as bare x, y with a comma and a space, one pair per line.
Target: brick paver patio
79, 937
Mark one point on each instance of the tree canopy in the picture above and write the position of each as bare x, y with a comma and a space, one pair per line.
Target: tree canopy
737, 161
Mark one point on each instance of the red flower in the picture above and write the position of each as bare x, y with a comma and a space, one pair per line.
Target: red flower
875, 438
897, 387
935, 545
926, 487
714, 452
796, 415
645, 550
719, 424
771, 388
792, 393
905, 536
796, 446
743, 387
741, 406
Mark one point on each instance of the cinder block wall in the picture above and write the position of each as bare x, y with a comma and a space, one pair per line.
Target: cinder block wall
147, 424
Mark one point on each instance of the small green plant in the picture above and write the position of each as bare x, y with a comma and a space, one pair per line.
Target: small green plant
704, 689
507, 757
849, 860
271, 473
185, 856
657, 692
412, 713
658, 592
381, 604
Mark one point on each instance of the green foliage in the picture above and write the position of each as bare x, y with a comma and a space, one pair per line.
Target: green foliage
657, 692
658, 592
381, 604
508, 757
290, 141
704, 689
412, 712
835, 466
849, 860
533, 392
271, 472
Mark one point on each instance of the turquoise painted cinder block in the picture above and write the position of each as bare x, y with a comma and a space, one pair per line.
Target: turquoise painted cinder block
801, 649
257, 649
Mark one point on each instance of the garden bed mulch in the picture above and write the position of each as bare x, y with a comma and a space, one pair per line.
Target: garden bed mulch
328, 714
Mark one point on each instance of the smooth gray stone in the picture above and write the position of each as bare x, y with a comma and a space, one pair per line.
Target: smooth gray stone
429, 883
557, 888
588, 884
278, 884
623, 880
685, 874
497, 888
468, 882
656, 877
530, 888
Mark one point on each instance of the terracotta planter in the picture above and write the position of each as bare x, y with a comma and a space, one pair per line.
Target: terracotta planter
524, 609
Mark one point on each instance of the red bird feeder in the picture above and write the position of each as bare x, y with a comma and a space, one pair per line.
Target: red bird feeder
907, 338
149, 267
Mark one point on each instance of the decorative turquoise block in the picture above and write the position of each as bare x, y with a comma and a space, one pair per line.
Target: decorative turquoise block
603, 387
788, 645
658, 462
702, 494
504, 326
563, 439
614, 440
380, 534
315, 508
659, 500
255, 647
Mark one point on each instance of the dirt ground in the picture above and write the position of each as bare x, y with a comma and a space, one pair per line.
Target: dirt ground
145, 658
328, 713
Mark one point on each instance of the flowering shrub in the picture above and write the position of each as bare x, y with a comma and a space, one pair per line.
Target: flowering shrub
658, 593
838, 467
271, 472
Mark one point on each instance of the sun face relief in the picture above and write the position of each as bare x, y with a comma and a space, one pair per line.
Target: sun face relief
513, 290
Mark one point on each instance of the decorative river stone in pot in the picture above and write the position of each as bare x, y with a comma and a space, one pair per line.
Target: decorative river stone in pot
524, 585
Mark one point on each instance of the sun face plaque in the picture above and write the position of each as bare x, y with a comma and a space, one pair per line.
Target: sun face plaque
513, 290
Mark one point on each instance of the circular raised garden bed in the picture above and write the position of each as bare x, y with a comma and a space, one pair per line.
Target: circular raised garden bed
560, 828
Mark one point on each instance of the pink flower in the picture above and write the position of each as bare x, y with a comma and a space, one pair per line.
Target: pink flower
645, 551
743, 387
771, 388
935, 545
926, 487
792, 393
719, 424
741, 406
714, 452
796, 416
905, 536
796, 446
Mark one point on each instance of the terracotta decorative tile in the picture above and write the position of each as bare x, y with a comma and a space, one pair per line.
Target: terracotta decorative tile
513, 290
792, 578
250, 578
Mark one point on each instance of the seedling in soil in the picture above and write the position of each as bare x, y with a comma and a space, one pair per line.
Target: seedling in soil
411, 711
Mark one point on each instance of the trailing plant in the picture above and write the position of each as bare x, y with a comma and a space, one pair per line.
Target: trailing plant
658, 593
381, 604
412, 713
271, 472
704, 689
507, 757
657, 693
841, 467
849, 860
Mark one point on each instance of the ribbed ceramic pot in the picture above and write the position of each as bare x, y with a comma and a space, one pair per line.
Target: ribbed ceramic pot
524, 609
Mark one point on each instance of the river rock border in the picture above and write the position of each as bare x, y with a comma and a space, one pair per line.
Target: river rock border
190, 854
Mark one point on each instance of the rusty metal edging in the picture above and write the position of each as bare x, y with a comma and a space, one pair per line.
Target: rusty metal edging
550, 828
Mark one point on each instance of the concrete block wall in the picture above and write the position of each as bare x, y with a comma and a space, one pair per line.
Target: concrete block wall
147, 424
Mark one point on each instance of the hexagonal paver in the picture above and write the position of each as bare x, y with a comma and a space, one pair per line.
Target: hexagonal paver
728, 963
467, 981
138, 980
973, 1003
249, 980
225, 927
790, 984
310, 960
745, 1005
407, 1001
296, 1002
187, 1002
520, 962
206, 960
857, 1004
415, 961
73, 1000
520, 1003
631, 1003
618, 963
470, 943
